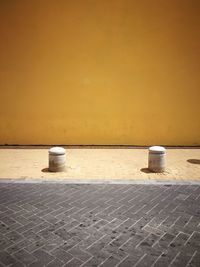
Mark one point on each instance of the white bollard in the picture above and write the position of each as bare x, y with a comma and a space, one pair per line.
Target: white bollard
157, 159
57, 159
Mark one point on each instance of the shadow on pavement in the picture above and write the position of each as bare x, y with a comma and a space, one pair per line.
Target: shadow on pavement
145, 170
45, 170
194, 161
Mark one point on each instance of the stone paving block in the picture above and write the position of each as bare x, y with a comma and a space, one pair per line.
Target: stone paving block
24, 257
110, 262
132, 259
194, 262
182, 258
53, 244
36, 219
56, 263
148, 259
61, 254
74, 262
194, 240
79, 253
26, 227
47, 234
36, 264
20, 219
97, 258
42, 256
7, 220
50, 218
6, 258
18, 246
4, 242
31, 236
14, 236
71, 243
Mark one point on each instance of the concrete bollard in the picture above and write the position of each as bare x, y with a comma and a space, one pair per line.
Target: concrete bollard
57, 159
157, 159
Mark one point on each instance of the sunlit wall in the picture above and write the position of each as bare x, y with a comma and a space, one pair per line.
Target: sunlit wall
100, 72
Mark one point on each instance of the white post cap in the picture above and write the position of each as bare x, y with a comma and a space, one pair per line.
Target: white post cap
56, 150
157, 150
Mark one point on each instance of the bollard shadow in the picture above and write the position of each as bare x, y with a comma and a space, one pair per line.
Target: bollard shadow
45, 170
194, 161
145, 170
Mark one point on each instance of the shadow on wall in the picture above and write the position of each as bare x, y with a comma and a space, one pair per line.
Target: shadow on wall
194, 161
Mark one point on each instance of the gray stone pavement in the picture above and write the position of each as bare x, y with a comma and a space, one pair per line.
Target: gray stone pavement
99, 225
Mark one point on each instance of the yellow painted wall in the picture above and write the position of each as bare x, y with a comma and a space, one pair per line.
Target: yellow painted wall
100, 72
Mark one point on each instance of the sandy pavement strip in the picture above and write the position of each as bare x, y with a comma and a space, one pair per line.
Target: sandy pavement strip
100, 164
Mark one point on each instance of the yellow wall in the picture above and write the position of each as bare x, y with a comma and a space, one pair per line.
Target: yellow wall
100, 72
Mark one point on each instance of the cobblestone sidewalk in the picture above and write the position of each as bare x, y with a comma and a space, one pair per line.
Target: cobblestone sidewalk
99, 225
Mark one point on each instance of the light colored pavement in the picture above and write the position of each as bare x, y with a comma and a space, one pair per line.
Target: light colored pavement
99, 164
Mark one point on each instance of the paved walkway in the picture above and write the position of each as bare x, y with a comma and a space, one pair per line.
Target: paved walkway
100, 164
99, 225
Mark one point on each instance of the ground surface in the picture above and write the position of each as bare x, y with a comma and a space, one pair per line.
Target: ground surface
99, 225
99, 164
